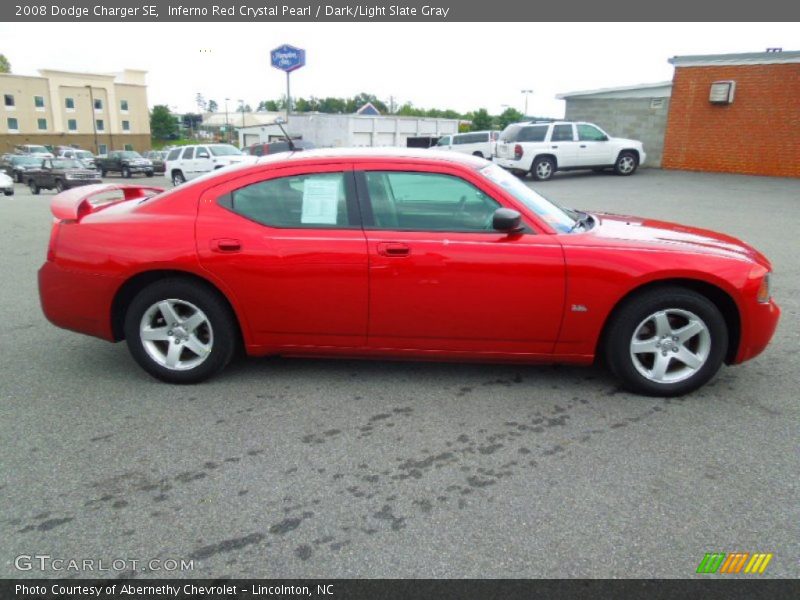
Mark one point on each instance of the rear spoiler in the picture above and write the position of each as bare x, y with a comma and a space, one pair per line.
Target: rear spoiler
74, 204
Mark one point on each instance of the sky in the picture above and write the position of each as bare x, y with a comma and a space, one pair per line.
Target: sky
463, 66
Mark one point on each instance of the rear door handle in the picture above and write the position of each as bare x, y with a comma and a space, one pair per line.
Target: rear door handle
226, 245
583, 145
555, 146
393, 249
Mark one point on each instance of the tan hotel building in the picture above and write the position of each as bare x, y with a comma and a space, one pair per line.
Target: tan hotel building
97, 112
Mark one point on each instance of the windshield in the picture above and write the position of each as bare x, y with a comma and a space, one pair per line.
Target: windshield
38, 150
224, 150
129, 154
26, 160
67, 163
549, 212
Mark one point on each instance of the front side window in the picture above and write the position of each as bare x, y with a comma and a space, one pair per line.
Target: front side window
72, 124
590, 133
415, 201
42, 124
38, 101
298, 201
562, 133
445, 141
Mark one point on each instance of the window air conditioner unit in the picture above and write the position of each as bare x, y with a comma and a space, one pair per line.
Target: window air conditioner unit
722, 92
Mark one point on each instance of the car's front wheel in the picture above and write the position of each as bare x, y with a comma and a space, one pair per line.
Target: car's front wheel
626, 163
59, 186
543, 168
34, 188
666, 342
126, 172
180, 331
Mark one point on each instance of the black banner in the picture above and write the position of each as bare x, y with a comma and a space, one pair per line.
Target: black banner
398, 589
267, 11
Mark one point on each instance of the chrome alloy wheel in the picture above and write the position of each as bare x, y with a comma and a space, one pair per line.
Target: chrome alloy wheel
176, 334
670, 345
544, 169
626, 164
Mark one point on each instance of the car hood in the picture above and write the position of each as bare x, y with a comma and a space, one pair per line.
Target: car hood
665, 235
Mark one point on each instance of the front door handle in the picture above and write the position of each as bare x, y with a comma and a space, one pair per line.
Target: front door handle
555, 146
226, 245
583, 145
393, 249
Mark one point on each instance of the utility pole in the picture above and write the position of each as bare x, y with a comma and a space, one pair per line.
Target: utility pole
241, 107
227, 127
526, 92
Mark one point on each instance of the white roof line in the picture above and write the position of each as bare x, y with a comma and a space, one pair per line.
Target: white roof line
624, 88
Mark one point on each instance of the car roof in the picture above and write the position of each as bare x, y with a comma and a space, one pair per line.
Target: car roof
388, 153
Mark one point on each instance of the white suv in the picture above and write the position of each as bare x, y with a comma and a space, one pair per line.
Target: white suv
187, 162
477, 143
541, 149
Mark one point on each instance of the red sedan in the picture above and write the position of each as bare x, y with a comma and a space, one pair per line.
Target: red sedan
397, 254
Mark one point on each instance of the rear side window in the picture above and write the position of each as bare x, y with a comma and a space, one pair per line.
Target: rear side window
536, 133
299, 201
188, 153
173, 154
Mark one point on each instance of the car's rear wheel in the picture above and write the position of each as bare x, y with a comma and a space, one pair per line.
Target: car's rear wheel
178, 178
34, 188
666, 342
126, 172
543, 168
626, 163
59, 186
180, 331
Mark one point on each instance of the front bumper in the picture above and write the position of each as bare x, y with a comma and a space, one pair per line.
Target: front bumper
73, 183
758, 327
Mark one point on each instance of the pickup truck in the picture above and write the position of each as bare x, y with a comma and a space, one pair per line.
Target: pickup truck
125, 162
60, 174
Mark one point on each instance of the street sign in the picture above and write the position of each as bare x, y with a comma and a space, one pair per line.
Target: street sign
288, 58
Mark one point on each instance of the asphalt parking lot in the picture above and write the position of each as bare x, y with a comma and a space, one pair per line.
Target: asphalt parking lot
325, 468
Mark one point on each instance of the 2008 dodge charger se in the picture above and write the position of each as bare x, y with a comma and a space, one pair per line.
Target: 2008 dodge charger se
387, 253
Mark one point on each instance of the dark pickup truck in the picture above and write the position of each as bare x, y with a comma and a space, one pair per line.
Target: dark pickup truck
125, 162
60, 174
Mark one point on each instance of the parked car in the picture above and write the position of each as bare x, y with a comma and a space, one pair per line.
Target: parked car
541, 149
60, 174
16, 165
125, 162
158, 158
6, 184
187, 162
477, 143
387, 253
33, 149
264, 148
86, 157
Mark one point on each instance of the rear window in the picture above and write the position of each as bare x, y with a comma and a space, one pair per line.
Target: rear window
524, 133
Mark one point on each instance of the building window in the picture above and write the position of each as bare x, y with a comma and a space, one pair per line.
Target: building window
8, 100
100, 125
129, 147
72, 125
38, 102
42, 124
102, 149
126, 126
69, 104
123, 105
13, 125
98, 104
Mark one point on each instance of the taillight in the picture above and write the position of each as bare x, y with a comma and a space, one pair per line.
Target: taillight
517, 152
51, 246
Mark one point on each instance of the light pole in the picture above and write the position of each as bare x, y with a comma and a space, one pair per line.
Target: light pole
241, 108
227, 134
526, 92
94, 121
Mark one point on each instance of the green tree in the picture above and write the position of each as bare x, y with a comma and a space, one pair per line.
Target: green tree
163, 124
481, 120
508, 116
212, 106
5, 66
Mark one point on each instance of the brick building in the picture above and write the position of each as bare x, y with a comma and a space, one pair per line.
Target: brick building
97, 112
735, 113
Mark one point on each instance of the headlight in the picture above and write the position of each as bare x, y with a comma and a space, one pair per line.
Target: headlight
764, 293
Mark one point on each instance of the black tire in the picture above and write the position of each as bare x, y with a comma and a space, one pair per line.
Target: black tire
34, 187
222, 326
59, 186
178, 178
543, 168
626, 164
126, 172
103, 172
633, 315
149, 173
19, 177
9, 193
478, 154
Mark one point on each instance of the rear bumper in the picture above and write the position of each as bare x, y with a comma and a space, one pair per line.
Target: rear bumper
77, 301
757, 330
510, 164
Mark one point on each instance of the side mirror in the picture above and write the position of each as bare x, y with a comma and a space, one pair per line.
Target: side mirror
507, 220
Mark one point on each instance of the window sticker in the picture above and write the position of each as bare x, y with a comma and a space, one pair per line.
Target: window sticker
320, 201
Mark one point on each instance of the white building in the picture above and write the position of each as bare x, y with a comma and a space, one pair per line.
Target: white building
351, 130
